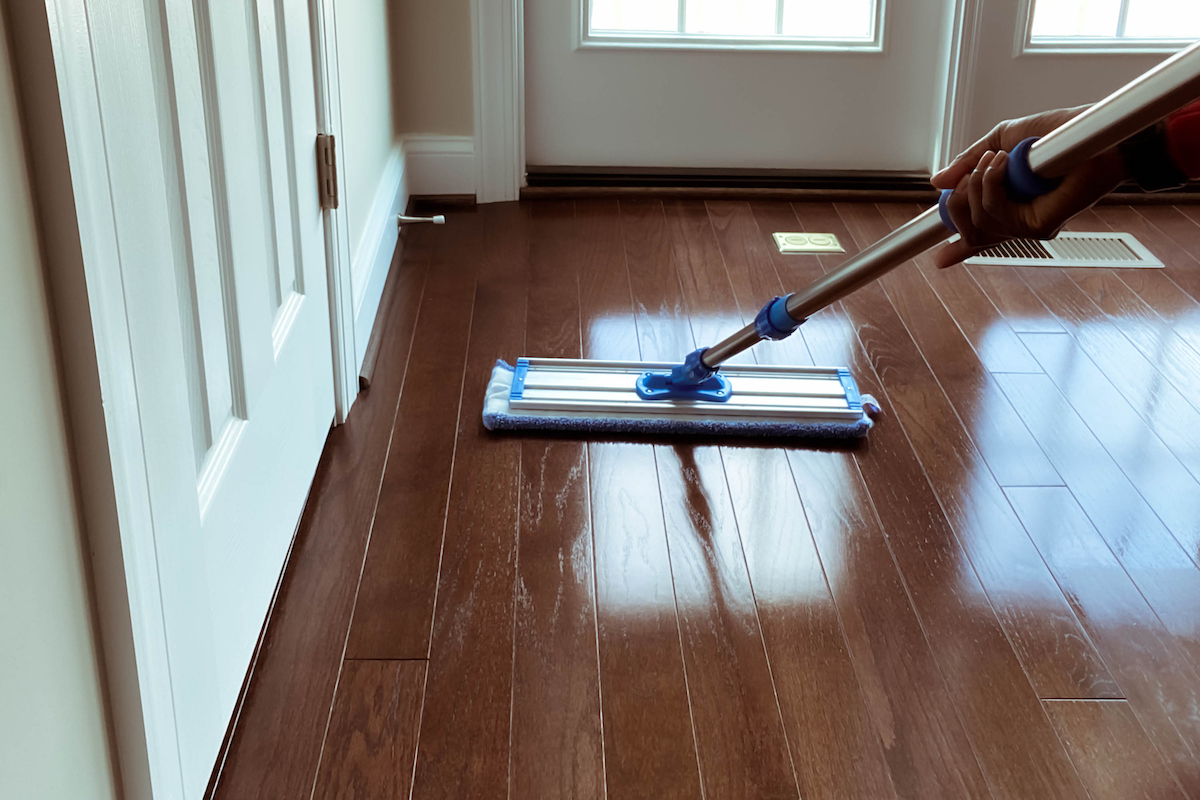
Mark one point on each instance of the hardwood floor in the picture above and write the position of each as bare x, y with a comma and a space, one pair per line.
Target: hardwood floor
996, 595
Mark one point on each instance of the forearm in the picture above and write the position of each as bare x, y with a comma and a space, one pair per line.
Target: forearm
1167, 154
1183, 140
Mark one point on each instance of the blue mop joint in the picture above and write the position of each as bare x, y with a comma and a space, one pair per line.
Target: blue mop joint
694, 380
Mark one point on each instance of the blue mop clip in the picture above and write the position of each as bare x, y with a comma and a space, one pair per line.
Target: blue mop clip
695, 380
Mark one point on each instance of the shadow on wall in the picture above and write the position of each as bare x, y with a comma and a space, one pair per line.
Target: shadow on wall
430, 53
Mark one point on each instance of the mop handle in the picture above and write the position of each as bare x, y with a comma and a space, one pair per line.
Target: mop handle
1035, 168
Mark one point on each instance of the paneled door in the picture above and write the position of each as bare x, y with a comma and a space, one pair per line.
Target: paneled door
1025, 56
743, 84
208, 117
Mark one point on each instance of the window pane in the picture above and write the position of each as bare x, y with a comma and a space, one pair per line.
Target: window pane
846, 19
1077, 17
1163, 19
635, 15
731, 17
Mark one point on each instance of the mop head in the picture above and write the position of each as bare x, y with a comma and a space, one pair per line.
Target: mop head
515, 401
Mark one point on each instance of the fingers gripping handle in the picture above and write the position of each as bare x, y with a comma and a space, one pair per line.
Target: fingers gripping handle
1023, 183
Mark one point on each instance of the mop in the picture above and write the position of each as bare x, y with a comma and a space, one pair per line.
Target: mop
700, 396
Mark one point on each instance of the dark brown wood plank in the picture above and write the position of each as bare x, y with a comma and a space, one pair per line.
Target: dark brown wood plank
464, 747
1038, 622
1005, 444
1131, 373
649, 745
739, 734
371, 743
834, 748
557, 747
394, 612
1149, 333
1162, 688
1174, 305
277, 739
923, 741
1185, 232
1014, 741
835, 745
994, 341
1111, 752
1016, 301
1161, 568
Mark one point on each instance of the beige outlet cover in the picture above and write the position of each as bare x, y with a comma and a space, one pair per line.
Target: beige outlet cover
808, 243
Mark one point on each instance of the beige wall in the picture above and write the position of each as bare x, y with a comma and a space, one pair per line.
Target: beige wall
431, 67
53, 735
367, 116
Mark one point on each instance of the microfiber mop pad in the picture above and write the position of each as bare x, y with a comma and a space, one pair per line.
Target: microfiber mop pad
649, 418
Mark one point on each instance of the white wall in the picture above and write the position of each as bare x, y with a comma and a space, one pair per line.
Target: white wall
53, 731
368, 136
431, 67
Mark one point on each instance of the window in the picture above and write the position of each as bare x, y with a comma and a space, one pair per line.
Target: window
770, 24
1112, 24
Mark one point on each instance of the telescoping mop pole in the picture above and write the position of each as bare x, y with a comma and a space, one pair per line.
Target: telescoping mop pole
1035, 167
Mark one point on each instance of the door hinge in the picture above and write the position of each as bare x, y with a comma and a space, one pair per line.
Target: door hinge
327, 170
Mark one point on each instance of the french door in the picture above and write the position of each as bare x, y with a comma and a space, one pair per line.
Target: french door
798, 84
1033, 55
811, 84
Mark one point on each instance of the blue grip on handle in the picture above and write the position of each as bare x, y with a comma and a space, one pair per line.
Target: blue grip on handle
1023, 183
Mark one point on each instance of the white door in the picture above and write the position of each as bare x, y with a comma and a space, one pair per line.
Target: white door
793, 84
209, 122
1034, 55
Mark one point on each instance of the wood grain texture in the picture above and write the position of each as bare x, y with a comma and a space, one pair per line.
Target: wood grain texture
557, 746
372, 736
739, 734
995, 343
945, 590
1110, 750
464, 748
1180, 226
923, 742
1035, 616
649, 744
1162, 687
1177, 307
276, 743
394, 613
834, 748
708, 619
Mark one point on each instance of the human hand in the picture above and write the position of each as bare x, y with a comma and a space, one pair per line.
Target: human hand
981, 208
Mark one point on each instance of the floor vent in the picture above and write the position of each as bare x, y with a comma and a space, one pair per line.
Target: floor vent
1071, 249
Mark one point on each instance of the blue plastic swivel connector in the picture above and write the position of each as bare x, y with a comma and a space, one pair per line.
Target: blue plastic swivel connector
693, 371
691, 380
1023, 183
774, 322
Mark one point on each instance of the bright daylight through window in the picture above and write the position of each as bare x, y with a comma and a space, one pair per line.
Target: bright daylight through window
1173, 20
782, 20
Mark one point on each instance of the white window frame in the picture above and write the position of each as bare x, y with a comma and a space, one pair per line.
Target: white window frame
585, 38
1026, 45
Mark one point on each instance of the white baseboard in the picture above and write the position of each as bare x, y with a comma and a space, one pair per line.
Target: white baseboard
376, 246
440, 164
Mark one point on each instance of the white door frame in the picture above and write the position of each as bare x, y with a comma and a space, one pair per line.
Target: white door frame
498, 50
339, 266
958, 80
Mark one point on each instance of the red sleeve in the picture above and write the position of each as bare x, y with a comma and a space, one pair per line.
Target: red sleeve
1183, 139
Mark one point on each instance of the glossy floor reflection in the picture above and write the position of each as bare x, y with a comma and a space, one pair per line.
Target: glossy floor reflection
996, 595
